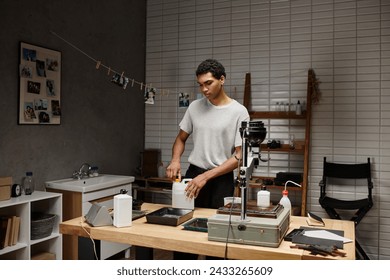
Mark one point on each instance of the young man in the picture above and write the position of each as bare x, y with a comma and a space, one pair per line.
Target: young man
214, 122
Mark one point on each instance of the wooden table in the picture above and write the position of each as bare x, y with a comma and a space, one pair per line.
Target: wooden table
173, 238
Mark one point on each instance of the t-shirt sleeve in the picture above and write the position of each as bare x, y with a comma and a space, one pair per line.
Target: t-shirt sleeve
244, 116
186, 122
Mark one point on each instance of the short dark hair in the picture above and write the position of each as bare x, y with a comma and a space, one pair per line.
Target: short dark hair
212, 66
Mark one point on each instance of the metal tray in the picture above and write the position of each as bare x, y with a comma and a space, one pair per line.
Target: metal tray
169, 216
252, 211
197, 224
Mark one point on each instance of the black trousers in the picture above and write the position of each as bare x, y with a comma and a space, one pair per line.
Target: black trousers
211, 196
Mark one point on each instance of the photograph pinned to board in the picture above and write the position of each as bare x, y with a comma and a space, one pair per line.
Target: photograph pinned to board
39, 85
149, 96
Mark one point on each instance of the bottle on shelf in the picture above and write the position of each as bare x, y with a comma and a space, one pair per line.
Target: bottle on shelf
298, 108
28, 183
161, 170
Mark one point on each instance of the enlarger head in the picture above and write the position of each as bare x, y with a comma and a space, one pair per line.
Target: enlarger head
253, 132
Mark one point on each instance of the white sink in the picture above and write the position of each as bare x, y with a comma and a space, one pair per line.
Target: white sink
102, 181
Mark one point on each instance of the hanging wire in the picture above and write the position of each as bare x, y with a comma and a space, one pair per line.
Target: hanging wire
143, 85
99, 63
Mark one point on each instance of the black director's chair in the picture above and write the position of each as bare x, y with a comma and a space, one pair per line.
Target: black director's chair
344, 175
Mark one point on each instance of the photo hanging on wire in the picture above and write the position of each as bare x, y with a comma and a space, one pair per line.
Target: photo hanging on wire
184, 99
149, 96
120, 80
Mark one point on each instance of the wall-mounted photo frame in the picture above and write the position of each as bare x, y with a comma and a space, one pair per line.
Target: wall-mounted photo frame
40, 85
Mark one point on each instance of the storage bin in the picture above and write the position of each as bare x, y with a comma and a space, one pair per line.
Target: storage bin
42, 225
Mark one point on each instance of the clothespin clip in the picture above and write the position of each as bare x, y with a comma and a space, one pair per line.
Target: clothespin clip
109, 70
132, 83
98, 64
122, 74
142, 85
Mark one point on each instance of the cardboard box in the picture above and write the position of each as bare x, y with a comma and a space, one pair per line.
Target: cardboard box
150, 161
5, 188
44, 256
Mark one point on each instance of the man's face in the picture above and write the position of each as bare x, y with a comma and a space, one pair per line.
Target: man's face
210, 86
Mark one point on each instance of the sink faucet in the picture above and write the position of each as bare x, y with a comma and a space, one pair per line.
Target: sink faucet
82, 172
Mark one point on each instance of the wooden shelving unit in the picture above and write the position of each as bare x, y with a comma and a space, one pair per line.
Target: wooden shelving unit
302, 147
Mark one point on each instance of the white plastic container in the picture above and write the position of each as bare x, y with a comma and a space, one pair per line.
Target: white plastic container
123, 209
179, 197
263, 198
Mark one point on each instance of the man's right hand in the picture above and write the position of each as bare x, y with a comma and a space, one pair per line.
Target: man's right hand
174, 171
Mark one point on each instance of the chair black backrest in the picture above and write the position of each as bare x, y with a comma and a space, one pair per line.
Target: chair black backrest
348, 171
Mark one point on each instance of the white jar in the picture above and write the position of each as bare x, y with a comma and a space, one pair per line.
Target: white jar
263, 198
179, 196
123, 209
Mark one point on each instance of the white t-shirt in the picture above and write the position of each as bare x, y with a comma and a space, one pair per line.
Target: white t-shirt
215, 131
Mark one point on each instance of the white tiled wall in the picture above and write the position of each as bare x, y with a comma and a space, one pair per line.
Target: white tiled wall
347, 43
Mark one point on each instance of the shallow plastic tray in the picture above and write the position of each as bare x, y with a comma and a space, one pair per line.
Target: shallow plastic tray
169, 216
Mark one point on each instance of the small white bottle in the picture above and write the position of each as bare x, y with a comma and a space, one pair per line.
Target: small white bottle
285, 201
123, 209
263, 198
179, 196
298, 109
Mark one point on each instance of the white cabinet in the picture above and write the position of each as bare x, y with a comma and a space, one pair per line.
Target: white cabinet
23, 206
77, 202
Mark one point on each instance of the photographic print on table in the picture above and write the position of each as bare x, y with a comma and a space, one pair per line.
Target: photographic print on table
39, 85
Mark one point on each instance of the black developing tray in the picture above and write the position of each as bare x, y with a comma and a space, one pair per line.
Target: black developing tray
136, 214
169, 216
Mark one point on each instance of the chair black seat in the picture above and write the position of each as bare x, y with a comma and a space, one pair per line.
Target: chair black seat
344, 204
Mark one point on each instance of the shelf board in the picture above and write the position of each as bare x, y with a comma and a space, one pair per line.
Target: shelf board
276, 115
258, 185
299, 149
154, 179
254, 184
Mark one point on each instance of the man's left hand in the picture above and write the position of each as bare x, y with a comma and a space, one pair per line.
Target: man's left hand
195, 185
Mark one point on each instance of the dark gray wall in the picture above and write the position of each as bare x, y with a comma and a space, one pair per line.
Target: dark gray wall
101, 123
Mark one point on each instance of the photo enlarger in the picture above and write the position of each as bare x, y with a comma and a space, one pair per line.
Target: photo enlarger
263, 227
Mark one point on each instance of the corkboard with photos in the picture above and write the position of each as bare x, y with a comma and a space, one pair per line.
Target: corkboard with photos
40, 85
